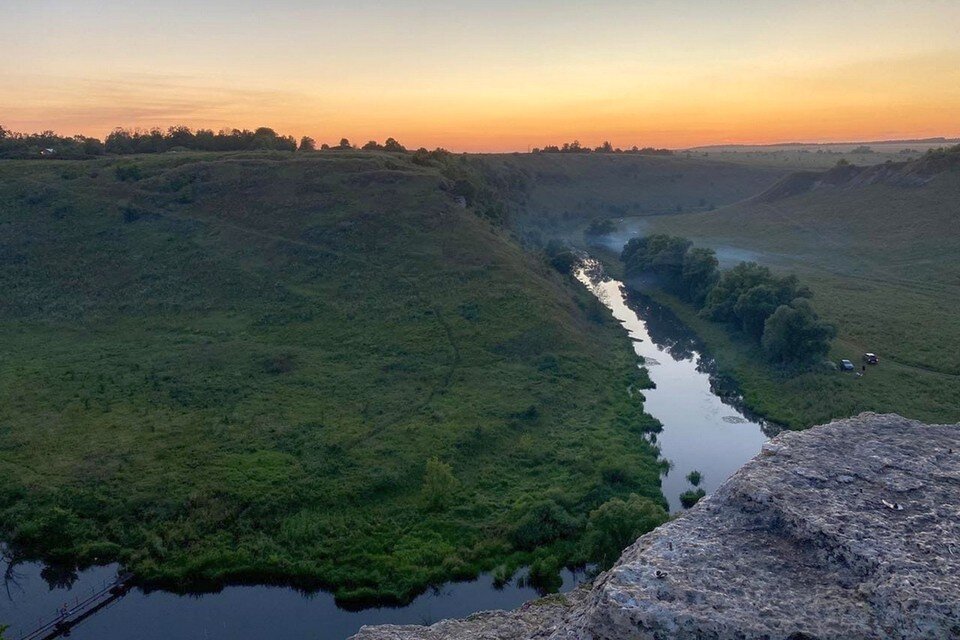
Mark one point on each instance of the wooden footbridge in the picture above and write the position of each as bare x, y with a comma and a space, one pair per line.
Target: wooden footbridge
69, 616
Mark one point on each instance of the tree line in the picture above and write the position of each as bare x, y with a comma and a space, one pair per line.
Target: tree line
178, 138
773, 311
605, 147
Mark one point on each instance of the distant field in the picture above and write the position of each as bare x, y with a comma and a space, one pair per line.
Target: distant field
884, 263
238, 366
819, 156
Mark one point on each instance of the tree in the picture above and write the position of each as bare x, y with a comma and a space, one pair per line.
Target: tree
600, 227
795, 334
394, 146
439, 485
754, 306
307, 144
699, 274
617, 523
658, 254
344, 144
733, 283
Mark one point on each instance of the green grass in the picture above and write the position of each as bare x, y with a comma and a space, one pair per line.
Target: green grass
884, 264
236, 367
557, 193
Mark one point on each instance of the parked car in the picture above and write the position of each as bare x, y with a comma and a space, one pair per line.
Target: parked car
846, 365
871, 358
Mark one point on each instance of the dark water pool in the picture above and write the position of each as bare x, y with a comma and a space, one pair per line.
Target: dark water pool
236, 613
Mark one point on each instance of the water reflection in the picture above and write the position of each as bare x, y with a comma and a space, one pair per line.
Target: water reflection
235, 613
706, 428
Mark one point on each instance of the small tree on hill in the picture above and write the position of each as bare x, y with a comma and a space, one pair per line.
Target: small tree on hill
394, 146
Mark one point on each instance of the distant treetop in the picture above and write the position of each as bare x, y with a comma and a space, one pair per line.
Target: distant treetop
605, 147
120, 141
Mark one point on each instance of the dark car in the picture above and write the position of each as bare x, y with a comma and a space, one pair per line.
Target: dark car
846, 365
871, 358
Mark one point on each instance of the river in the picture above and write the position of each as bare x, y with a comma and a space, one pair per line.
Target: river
705, 426
704, 429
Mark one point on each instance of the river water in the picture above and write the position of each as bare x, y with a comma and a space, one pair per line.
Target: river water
704, 430
705, 427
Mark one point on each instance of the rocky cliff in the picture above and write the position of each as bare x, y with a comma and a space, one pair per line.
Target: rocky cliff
845, 531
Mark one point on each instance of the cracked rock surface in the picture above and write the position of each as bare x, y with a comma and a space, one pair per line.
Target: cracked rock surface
845, 531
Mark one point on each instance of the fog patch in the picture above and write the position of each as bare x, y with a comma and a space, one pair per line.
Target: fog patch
627, 229
731, 256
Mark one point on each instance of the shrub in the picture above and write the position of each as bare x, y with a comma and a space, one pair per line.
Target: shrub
691, 497
600, 227
128, 172
544, 575
617, 523
694, 478
439, 485
541, 523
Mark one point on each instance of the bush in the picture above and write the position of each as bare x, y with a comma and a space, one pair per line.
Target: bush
617, 523
439, 485
600, 227
128, 172
541, 523
544, 575
564, 262
694, 478
691, 497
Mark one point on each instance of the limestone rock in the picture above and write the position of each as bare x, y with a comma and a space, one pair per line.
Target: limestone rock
850, 530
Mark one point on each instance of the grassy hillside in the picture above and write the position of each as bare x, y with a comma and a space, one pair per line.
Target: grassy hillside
560, 193
238, 366
879, 248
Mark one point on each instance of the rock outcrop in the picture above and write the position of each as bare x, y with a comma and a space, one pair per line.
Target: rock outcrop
845, 531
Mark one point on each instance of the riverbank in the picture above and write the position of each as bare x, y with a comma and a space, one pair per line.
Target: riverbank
791, 399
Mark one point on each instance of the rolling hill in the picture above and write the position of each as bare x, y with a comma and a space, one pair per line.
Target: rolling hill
879, 247
311, 369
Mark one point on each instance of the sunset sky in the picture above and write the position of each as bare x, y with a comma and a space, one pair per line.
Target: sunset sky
488, 75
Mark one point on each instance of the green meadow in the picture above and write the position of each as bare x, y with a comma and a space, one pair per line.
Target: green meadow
312, 369
883, 261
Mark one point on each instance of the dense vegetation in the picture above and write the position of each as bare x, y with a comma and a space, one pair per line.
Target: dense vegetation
605, 147
178, 138
318, 369
774, 311
878, 248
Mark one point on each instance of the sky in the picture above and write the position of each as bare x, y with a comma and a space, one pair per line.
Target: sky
490, 75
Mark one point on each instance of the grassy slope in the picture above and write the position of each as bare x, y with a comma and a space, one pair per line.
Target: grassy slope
565, 191
237, 367
884, 264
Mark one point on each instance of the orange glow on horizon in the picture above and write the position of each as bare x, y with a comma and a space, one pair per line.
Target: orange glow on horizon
502, 77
